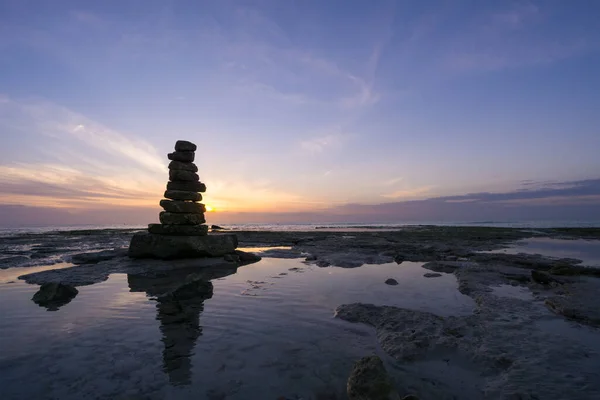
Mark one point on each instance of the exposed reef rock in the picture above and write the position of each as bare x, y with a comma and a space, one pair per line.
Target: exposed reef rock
370, 381
166, 247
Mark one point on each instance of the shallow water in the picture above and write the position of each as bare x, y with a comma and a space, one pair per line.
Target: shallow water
266, 331
586, 250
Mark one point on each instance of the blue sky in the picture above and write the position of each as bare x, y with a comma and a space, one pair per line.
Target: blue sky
296, 106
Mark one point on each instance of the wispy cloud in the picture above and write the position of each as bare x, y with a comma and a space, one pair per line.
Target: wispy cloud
319, 144
408, 193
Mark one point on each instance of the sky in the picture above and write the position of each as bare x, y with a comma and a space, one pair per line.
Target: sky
303, 111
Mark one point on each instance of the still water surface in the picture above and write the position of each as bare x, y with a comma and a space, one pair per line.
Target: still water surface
267, 331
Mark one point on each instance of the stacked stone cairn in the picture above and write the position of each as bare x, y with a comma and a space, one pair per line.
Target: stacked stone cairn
182, 232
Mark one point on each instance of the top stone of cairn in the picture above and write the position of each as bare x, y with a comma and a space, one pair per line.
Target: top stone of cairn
184, 145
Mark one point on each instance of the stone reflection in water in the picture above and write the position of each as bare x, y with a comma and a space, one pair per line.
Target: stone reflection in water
180, 296
52, 296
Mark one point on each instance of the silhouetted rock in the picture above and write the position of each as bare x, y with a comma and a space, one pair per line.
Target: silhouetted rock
247, 257
183, 166
178, 230
183, 156
183, 176
54, 295
217, 228
177, 206
391, 281
166, 247
168, 218
370, 381
187, 186
432, 275
184, 145
183, 195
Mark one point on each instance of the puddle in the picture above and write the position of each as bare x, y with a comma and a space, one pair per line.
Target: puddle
516, 292
586, 250
117, 338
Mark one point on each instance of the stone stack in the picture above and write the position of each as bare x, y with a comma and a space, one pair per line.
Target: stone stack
182, 232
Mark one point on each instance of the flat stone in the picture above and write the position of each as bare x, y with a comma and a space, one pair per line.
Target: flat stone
183, 176
187, 186
184, 145
391, 281
167, 218
183, 156
183, 195
187, 207
178, 230
165, 247
183, 166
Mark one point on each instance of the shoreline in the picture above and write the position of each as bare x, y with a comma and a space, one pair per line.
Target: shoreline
523, 339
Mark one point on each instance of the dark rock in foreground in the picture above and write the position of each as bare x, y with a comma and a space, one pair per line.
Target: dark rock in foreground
54, 295
178, 230
183, 156
183, 195
432, 275
370, 381
176, 206
187, 186
168, 218
164, 247
391, 281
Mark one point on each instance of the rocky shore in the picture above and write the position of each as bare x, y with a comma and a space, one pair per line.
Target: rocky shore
515, 345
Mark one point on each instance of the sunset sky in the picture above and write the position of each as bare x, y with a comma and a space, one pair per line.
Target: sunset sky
301, 110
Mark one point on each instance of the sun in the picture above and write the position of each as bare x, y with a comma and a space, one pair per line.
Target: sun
209, 208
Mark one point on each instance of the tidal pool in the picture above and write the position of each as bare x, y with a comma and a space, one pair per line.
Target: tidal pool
265, 331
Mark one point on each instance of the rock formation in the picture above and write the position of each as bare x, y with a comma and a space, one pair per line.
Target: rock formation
182, 232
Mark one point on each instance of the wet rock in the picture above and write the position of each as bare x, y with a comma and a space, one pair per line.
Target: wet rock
182, 207
167, 218
183, 156
247, 257
446, 266
187, 186
184, 145
96, 257
178, 230
432, 275
183, 166
54, 295
391, 281
231, 257
177, 175
311, 257
183, 195
410, 397
399, 259
541, 277
323, 263
148, 245
217, 228
574, 270
370, 381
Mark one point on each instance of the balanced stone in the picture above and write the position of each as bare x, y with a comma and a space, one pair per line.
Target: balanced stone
183, 195
178, 230
183, 207
187, 186
184, 166
183, 156
183, 176
184, 145
165, 247
168, 218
